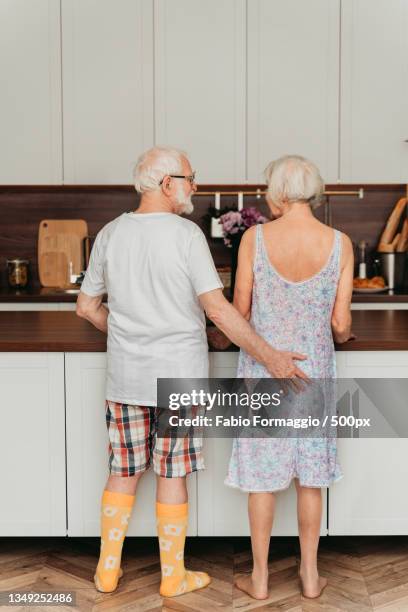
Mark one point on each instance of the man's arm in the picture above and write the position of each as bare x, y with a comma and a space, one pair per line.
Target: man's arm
92, 309
280, 364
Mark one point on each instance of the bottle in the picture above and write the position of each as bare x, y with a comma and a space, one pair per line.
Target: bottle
362, 266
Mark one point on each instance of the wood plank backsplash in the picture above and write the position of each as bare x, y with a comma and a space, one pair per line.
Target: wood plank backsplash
23, 207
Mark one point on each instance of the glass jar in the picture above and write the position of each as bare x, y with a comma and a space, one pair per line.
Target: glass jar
17, 273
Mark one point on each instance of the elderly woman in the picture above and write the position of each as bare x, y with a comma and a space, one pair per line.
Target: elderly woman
294, 283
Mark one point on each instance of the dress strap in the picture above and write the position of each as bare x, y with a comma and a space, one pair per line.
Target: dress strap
337, 251
258, 245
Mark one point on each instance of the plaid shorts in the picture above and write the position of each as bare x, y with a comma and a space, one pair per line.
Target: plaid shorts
133, 443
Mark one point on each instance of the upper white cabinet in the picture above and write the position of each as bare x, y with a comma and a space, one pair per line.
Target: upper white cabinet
87, 85
374, 93
293, 83
30, 102
107, 50
200, 84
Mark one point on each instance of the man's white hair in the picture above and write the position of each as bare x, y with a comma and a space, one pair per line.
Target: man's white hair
153, 165
293, 178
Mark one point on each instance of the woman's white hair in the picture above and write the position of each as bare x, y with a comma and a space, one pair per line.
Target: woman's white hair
293, 178
153, 165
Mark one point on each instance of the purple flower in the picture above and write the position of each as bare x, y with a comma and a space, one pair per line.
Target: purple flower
236, 222
252, 216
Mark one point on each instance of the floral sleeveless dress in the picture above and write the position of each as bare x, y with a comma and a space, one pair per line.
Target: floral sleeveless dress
291, 316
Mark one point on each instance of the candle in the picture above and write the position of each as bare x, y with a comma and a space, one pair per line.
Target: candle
217, 201
240, 200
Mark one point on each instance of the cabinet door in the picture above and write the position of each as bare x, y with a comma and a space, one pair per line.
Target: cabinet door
222, 511
374, 91
32, 441
200, 84
293, 83
87, 454
371, 498
107, 52
30, 117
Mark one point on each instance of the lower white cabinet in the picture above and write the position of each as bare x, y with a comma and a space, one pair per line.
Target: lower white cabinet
372, 497
87, 455
32, 442
222, 510
54, 440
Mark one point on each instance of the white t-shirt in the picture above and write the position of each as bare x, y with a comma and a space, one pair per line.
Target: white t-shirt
152, 266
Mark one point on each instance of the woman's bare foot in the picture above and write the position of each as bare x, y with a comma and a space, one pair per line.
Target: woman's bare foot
312, 588
258, 589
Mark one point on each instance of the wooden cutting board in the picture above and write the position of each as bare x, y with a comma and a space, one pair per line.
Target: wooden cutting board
59, 243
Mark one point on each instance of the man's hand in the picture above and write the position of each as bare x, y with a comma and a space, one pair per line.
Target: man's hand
282, 365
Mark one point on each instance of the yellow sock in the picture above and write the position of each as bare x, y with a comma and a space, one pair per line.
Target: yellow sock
115, 514
171, 529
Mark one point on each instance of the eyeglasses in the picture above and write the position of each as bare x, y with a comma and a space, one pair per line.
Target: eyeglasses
190, 177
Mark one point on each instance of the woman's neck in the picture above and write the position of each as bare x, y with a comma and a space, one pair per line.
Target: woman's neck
299, 210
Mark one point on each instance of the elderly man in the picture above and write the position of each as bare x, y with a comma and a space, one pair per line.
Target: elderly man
159, 275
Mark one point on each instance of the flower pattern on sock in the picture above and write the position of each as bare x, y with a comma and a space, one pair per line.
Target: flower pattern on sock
165, 544
173, 530
198, 581
115, 534
110, 511
167, 570
111, 562
182, 588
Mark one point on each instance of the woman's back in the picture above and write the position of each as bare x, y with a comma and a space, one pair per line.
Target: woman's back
297, 247
296, 271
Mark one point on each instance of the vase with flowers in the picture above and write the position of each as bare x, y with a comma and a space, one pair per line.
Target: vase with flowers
234, 224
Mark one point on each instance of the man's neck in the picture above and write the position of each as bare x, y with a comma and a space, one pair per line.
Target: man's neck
153, 205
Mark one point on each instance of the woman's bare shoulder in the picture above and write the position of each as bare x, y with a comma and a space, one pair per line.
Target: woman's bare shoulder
248, 238
347, 251
346, 243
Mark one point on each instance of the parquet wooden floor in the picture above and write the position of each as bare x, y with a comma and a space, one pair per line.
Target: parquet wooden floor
364, 574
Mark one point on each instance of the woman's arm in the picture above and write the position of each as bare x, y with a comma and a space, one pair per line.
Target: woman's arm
341, 315
244, 277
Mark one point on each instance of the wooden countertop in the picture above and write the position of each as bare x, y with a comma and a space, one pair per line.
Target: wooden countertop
50, 294
37, 295
376, 330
